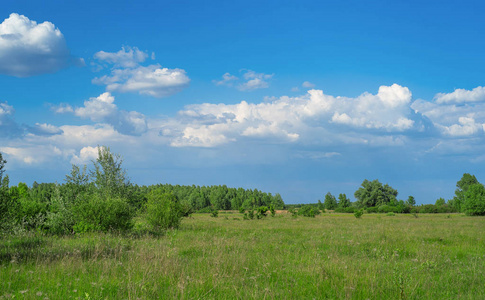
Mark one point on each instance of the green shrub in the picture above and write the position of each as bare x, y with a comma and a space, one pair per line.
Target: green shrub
390, 214
261, 212
372, 210
359, 213
308, 211
272, 210
348, 210
98, 214
214, 213
163, 211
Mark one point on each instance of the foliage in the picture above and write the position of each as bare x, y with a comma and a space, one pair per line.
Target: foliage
343, 201
261, 212
411, 201
349, 210
108, 175
330, 202
308, 211
103, 214
440, 202
359, 213
272, 210
321, 206
163, 211
474, 204
373, 193
214, 213
461, 187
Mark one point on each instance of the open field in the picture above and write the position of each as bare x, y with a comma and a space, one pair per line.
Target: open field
332, 256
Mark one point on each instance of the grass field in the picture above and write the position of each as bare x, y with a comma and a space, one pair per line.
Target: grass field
332, 256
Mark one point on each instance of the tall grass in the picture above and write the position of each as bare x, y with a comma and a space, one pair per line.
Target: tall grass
331, 256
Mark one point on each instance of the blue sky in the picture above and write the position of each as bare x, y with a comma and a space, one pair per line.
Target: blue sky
295, 97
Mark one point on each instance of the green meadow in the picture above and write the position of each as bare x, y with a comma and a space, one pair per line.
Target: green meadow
332, 256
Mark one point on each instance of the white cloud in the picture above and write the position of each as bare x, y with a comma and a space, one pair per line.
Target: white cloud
102, 109
86, 155
44, 129
128, 76
254, 81
97, 109
461, 96
227, 80
31, 154
308, 84
293, 119
28, 48
458, 114
466, 126
125, 58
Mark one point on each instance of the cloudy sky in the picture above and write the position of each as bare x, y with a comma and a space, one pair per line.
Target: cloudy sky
295, 97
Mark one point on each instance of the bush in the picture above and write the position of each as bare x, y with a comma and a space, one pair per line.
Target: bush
98, 214
358, 213
261, 212
163, 211
388, 209
348, 210
308, 211
372, 210
214, 213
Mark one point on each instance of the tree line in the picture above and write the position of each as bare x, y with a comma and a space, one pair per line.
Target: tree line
101, 198
375, 197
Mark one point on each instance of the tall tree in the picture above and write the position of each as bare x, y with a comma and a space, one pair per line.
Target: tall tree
330, 202
109, 176
461, 188
411, 201
343, 201
373, 193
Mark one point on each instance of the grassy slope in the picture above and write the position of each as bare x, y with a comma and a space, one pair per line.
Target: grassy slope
331, 256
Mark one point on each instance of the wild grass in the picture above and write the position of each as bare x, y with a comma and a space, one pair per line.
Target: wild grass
334, 256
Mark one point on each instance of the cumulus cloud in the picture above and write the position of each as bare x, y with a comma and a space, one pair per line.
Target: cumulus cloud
461, 96
388, 110
31, 154
125, 58
128, 76
227, 80
250, 80
308, 84
86, 154
458, 114
254, 81
290, 119
28, 48
44, 129
102, 109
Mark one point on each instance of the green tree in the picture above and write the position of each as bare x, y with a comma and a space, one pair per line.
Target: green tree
411, 201
330, 202
343, 201
373, 193
440, 202
461, 187
109, 177
474, 202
